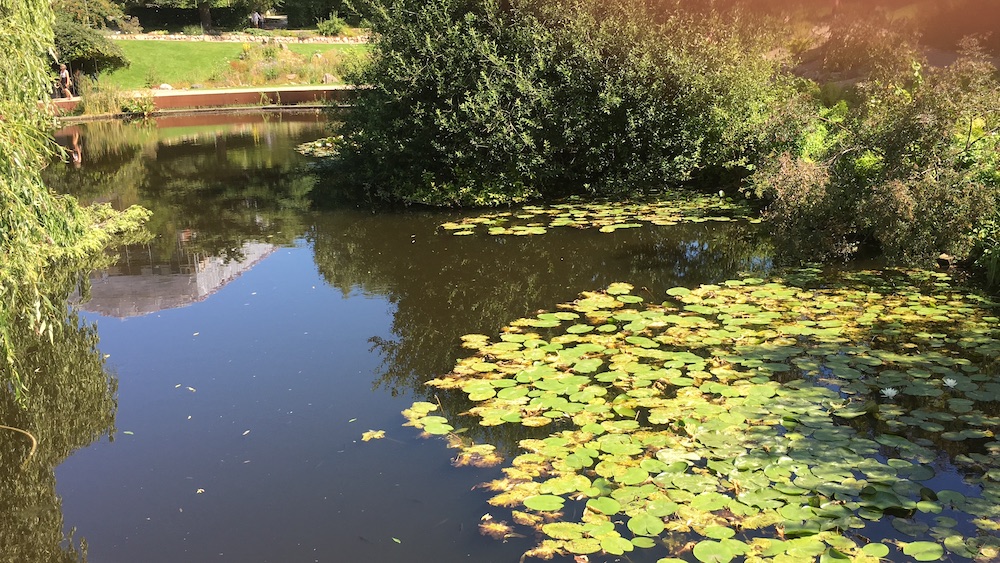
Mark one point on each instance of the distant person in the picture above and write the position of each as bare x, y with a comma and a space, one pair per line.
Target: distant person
65, 82
256, 19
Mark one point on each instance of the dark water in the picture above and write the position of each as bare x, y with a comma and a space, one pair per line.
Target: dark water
255, 339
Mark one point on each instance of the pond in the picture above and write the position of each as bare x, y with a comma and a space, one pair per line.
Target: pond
262, 353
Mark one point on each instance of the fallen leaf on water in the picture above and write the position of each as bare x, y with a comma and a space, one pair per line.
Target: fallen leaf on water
191, 389
245, 432
352, 420
199, 491
373, 435
396, 540
128, 432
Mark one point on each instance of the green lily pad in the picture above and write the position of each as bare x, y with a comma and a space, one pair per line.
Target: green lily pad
544, 503
604, 505
645, 524
923, 550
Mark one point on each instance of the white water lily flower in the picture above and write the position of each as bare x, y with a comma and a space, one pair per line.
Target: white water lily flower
949, 382
890, 392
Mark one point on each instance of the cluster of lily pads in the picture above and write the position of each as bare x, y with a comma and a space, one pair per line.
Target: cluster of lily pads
748, 419
320, 148
670, 208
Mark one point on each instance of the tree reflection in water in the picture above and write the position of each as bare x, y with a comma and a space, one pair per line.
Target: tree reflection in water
70, 404
445, 286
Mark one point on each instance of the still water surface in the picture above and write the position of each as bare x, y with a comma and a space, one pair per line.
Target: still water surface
256, 339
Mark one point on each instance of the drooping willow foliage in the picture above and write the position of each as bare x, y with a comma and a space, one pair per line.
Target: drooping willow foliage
39, 230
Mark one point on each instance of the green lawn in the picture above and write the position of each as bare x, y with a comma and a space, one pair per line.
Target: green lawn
189, 62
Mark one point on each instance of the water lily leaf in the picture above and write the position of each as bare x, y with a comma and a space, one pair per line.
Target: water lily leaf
619, 288
604, 505
616, 545
544, 503
588, 366
929, 507
661, 508
563, 530
723, 551
718, 532
909, 527
709, 501
923, 550
437, 428
583, 545
879, 550
957, 545
645, 524
643, 542
634, 476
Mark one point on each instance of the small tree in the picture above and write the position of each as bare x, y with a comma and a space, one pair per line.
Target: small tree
85, 49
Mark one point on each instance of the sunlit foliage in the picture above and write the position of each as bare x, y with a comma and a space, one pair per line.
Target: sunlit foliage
480, 102
37, 228
909, 170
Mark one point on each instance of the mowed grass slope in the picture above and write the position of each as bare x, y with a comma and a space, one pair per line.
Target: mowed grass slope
183, 63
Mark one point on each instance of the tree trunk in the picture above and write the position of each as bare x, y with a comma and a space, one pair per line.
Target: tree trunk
206, 16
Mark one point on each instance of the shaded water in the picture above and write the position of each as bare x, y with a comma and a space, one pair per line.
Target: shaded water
254, 340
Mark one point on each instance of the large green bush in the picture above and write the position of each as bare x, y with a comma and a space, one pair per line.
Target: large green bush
479, 102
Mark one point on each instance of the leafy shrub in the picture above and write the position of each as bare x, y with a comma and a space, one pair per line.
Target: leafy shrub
910, 171
152, 78
469, 102
331, 26
128, 25
99, 98
193, 30
140, 105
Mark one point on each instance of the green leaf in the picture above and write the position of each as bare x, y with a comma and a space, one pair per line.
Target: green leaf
645, 524
710, 551
923, 550
879, 550
604, 505
544, 503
